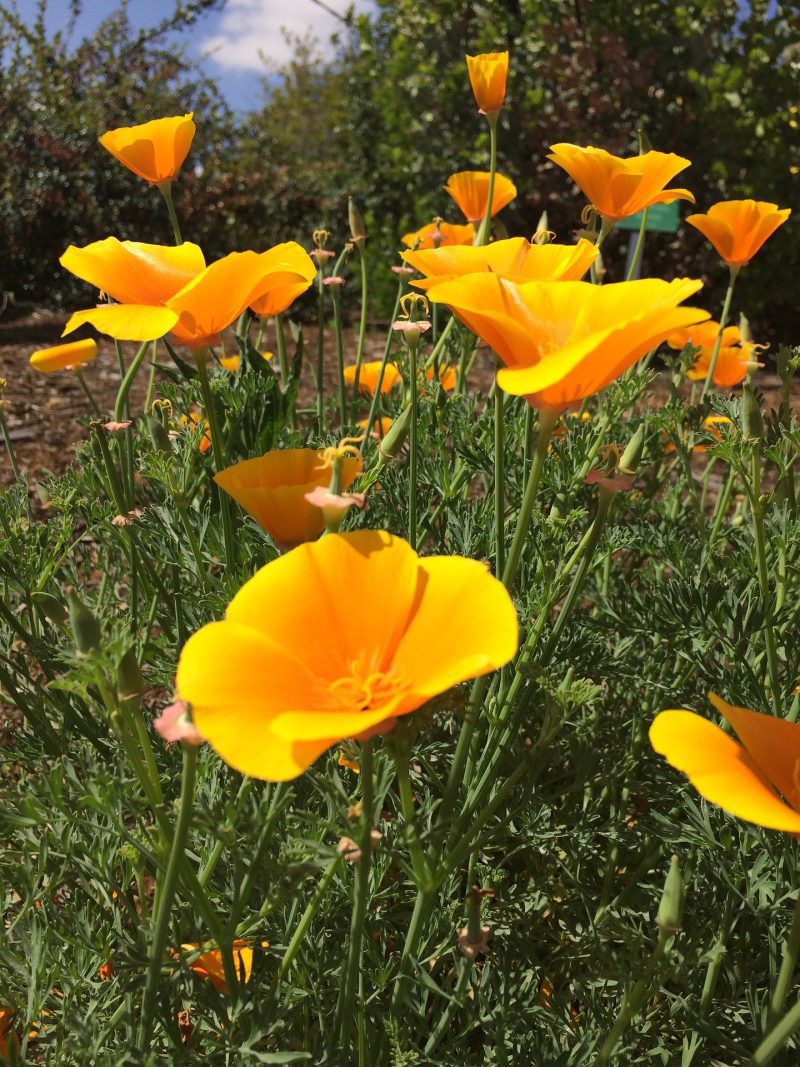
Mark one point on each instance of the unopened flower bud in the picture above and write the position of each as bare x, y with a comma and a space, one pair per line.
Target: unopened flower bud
752, 419
50, 606
358, 229
85, 627
632, 456
392, 443
158, 435
670, 910
130, 683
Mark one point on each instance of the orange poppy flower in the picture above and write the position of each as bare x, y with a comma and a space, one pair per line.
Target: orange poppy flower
755, 780
564, 341
369, 374
617, 188
272, 690
300, 274
515, 259
154, 150
738, 228
230, 363
470, 190
273, 487
735, 358
487, 76
60, 357
192, 420
163, 289
447, 376
379, 427
209, 964
440, 235
9, 1042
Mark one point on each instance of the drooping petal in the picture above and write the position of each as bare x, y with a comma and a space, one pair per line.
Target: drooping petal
126, 322
73, 354
135, 273
720, 769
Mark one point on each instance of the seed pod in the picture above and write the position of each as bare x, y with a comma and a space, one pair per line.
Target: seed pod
85, 627
50, 606
670, 910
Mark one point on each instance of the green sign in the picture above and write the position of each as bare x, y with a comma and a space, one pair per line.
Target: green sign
661, 218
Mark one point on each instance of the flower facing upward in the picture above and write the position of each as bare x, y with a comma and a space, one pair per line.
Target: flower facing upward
747, 780
440, 235
273, 488
155, 150
738, 228
487, 76
735, 358
514, 258
334, 639
616, 187
564, 341
369, 374
60, 357
470, 190
162, 289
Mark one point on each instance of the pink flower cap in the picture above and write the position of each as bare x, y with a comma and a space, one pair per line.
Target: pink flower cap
117, 427
333, 280
402, 270
129, 519
404, 326
614, 483
322, 497
322, 253
174, 724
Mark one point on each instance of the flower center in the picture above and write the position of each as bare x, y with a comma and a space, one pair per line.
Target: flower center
366, 688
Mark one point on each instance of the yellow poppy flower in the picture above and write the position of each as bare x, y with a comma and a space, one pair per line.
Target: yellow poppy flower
300, 274
487, 76
440, 235
163, 289
470, 190
616, 187
297, 666
369, 374
738, 228
755, 780
48, 360
273, 487
514, 258
564, 341
154, 150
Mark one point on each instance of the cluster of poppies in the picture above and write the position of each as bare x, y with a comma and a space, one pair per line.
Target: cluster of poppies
396, 628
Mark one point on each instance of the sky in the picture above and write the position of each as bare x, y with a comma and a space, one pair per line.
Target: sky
233, 40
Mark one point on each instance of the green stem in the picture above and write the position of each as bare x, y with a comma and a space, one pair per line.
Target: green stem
280, 343
151, 380
776, 1038
418, 861
121, 403
87, 391
359, 912
307, 917
413, 341
484, 229
12, 456
165, 188
165, 897
760, 538
637, 252
634, 1000
791, 949
219, 454
320, 348
723, 319
606, 226
362, 325
376, 396
438, 348
499, 482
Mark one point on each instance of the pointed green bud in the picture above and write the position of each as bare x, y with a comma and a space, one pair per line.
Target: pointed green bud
50, 606
130, 683
670, 910
358, 229
632, 456
391, 445
752, 419
85, 627
158, 435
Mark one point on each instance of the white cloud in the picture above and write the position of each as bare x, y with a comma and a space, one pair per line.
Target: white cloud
251, 29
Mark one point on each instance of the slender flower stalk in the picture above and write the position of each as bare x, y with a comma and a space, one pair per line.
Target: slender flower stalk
483, 233
637, 252
723, 322
165, 188
87, 392
165, 897
376, 396
760, 539
362, 324
201, 361
413, 458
